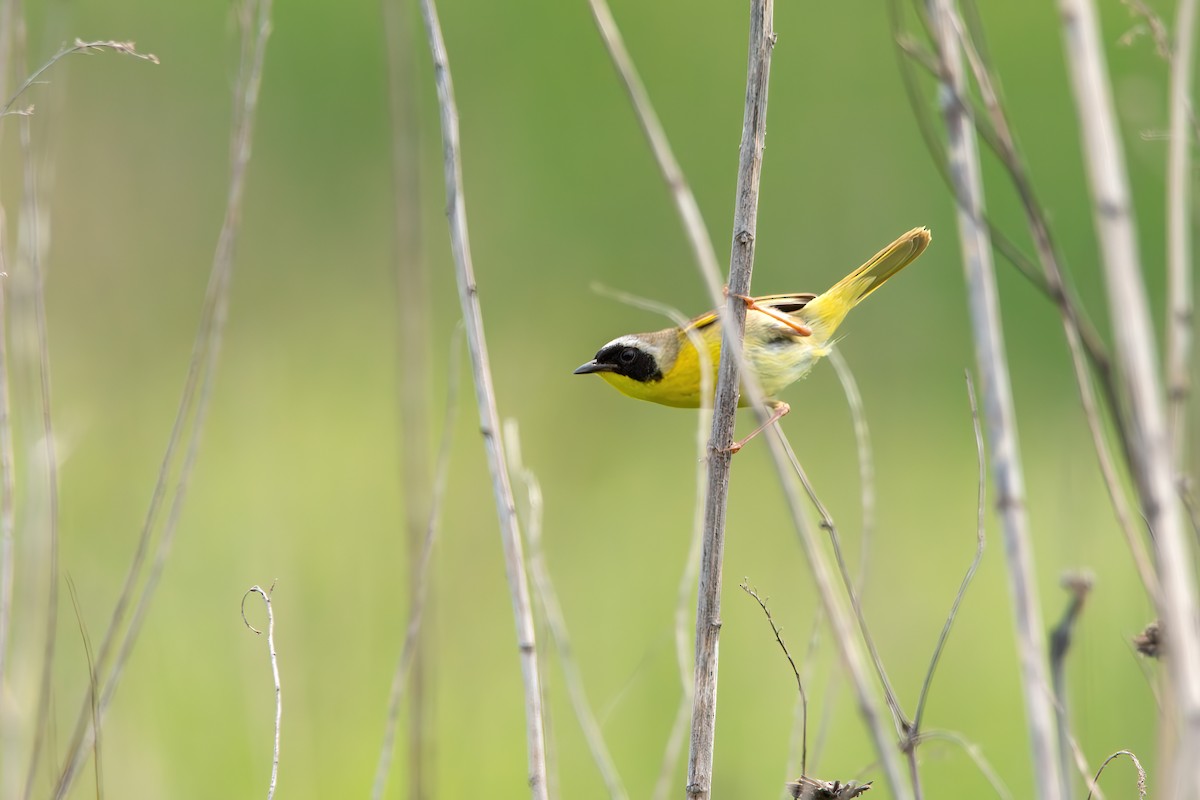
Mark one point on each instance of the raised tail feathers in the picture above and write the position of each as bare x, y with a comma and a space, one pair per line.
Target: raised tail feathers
829, 309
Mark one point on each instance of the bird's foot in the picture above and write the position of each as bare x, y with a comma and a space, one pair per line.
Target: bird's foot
778, 410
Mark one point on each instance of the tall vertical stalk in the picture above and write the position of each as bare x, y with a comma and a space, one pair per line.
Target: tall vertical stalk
741, 264
1137, 366
963, 161
485, 395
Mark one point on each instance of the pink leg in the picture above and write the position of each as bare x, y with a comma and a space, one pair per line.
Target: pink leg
778, 410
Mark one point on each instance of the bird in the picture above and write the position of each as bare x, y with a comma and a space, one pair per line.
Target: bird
786, 334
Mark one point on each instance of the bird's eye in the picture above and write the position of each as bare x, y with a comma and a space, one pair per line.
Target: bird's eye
628, 356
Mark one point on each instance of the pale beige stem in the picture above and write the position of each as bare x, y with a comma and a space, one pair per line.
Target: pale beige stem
489, 418
1000, 418
1138, 369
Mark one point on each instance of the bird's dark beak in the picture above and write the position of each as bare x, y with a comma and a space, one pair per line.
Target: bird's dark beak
593, 366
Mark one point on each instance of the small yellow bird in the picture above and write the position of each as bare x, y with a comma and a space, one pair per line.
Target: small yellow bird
786, 334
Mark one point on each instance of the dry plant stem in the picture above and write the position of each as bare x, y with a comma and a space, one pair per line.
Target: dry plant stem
908, 53
914, 773
704, 424
1154, 25
745, 587
998, 409
266, 596
256, 29
33, 247
799, 730
862, 437
1108, 471
839, 618
7, 487
681, 194
976, 755
1082, 338
980, 541
706, 261
1081, 343
1141, 781
689, 576
720, 453
1060, 643
1190, 507
851, 657
999, 137
80, 46
866, 468
553, 774
830, 527
530, 518
1137, 366
420, 592
1179, 235
1081, 765
7, 14
412, 361
992, 126
556, 620
691, 569
30, 223
691, 566
189, 420
489, 419
1162, 44
87, 651
7, 515
1149, 672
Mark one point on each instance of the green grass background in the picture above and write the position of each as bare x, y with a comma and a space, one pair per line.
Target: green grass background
298, 478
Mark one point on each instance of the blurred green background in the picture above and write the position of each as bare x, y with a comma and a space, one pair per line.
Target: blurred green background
299, 478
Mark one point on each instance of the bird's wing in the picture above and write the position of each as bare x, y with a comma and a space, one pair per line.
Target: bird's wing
784, 303
703, 321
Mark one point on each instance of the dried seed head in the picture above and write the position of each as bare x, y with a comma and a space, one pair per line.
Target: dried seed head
1149, 641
